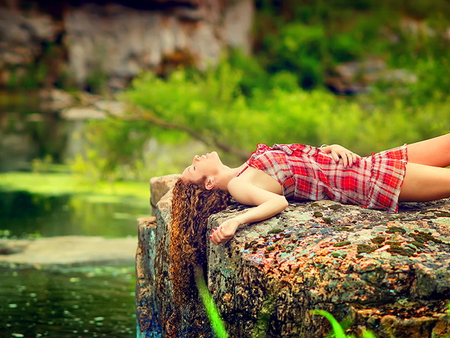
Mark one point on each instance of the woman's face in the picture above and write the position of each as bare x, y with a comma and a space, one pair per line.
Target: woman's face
205, 165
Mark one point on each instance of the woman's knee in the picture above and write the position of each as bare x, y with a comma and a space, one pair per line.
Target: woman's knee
425, 183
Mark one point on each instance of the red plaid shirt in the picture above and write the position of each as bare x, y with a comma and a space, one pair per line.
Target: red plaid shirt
308, 173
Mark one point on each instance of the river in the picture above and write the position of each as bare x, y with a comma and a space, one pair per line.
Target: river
66, 301
93, 300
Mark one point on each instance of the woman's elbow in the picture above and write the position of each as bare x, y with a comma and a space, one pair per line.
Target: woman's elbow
283, 203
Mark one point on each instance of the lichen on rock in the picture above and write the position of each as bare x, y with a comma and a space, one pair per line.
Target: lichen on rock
389, 273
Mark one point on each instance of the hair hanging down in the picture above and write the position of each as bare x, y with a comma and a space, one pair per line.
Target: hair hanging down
192, 205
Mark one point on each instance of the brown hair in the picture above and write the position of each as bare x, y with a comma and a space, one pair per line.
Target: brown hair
192, 204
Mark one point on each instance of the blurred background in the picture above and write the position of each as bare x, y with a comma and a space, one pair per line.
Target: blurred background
97, 97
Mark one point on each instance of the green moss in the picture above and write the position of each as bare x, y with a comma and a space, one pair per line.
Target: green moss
335, 207
418, 244
317, 214
423, 237
397, 248
338, 254
365, 248
275, 231
327, 220
378, 240
395, 229
343, 243
344, 229
401, 251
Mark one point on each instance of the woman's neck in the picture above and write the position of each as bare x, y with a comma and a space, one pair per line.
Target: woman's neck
227, 175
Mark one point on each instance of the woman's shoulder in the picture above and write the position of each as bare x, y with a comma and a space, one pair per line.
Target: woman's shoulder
254, 177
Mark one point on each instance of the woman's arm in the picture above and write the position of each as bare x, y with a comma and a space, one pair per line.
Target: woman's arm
339, 152
268, 204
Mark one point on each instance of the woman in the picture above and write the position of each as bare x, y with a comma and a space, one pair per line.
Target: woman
271, 176
413, 172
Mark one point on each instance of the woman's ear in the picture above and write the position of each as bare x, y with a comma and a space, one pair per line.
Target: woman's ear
210, 183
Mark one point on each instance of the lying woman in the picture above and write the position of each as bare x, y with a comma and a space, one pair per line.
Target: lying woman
274, 175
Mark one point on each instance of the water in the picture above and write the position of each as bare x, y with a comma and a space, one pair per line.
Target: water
24, 214
69, 302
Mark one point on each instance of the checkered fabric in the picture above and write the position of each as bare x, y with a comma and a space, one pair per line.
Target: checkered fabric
308, 173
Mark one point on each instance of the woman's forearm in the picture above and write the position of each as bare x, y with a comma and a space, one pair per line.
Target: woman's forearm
264, 211
227, 229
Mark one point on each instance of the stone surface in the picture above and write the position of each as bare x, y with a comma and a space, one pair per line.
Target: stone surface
161, 186
118, 39
67, 250
389, 273
358, 76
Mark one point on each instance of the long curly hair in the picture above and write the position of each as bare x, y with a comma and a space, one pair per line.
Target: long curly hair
192, 204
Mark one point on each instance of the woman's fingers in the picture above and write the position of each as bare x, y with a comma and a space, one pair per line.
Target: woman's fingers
336, 156
215, 237
348, 158
219, 235
224, 232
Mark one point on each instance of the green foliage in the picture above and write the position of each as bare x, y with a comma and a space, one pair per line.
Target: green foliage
44, 71
42, 165
213, 106
113, 150
96, 81
338, 330
299, 49
208, 105
308, 37
262, 98
253, 75
213, 314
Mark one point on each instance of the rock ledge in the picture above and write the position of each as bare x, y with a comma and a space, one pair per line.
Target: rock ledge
389, 273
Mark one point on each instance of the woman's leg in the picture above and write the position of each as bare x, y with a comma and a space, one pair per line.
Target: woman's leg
425, 183
434, 152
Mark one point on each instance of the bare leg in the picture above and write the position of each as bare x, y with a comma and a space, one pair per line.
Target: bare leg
434, 152
425, 183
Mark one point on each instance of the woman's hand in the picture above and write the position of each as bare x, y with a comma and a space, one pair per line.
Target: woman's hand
338, 152
267, 204
225, 231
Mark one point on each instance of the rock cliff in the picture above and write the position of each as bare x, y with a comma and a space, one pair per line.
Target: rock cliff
83, 40
389, 273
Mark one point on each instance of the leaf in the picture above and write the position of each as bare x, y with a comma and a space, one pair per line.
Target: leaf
337, 328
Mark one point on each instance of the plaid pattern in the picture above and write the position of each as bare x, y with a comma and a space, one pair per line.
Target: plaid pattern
308, 173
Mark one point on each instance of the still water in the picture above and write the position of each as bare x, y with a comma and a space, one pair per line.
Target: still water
69, 302
25, 214
75, 302
64, 302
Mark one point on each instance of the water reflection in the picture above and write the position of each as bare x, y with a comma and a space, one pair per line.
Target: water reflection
95, 301
23, 214
71, 302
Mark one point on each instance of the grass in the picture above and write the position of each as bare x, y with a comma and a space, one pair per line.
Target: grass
217, 324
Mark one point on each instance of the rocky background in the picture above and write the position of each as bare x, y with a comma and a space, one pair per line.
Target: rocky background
389, 273
82, 41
